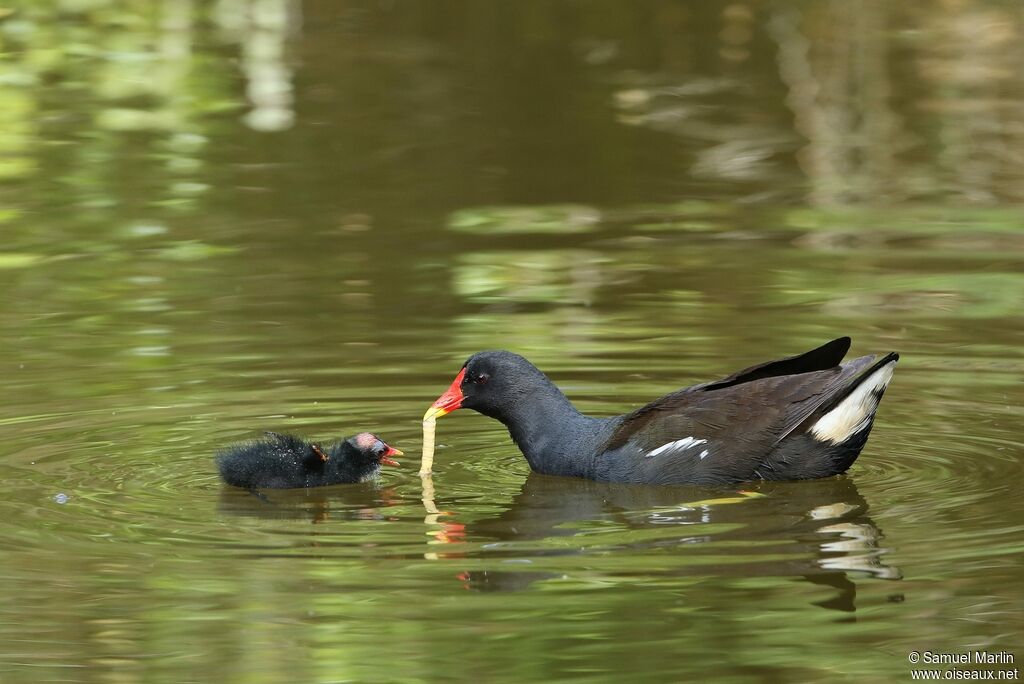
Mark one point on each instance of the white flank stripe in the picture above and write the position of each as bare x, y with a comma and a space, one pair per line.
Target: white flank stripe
853, 412
678, 445
704, 454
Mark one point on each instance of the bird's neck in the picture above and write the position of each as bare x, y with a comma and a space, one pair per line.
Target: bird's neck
553, 435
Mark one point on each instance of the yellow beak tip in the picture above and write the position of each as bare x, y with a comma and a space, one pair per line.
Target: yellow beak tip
434, 412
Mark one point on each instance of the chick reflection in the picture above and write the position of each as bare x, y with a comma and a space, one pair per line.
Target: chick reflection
820, 526
364, 501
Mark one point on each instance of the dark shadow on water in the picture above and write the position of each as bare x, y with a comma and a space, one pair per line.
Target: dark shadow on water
820, 527
816, 531
364, 501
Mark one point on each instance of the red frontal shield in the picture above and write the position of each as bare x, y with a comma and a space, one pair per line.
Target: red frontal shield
449, 401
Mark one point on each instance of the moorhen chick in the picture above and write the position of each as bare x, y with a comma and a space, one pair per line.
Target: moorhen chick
801, 417
284, 461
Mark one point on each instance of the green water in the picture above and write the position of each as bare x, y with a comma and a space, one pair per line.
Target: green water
221, 218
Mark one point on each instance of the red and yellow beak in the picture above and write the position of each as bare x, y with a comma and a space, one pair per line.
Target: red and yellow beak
449, 401
386, 459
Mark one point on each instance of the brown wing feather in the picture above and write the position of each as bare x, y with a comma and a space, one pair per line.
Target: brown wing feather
764, 409
673, 410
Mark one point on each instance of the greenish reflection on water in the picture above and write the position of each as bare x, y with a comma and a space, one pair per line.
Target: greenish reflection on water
225, 217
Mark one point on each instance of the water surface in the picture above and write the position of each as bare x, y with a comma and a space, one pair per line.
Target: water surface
221, 218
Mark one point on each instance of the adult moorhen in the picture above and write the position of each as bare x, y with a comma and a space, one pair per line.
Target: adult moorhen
801, 417
285, 461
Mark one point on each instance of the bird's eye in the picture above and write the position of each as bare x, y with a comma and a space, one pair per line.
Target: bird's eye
482, 379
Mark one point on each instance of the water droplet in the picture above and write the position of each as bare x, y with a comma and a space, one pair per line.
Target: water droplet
60, 498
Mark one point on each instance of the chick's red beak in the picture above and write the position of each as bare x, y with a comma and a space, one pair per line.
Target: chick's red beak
386, 459
449, 401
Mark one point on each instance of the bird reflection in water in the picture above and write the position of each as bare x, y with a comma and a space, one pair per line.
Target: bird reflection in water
364, 501
817, 531
820, 529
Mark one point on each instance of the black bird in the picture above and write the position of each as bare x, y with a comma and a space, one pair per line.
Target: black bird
801, 417
284, 461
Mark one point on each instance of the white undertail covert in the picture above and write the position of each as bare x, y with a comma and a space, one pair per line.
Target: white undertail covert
854, 412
